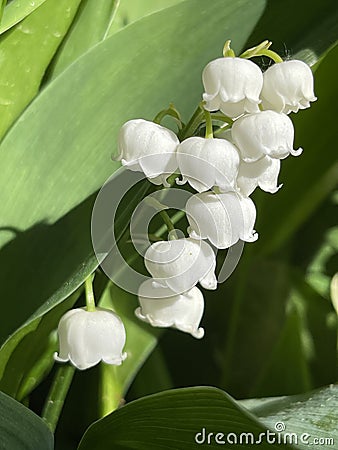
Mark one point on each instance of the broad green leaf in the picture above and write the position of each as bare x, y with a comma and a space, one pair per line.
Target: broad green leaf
21, 429
141, 340
22, 68
314, 414
89, 27
309, 31
300, 197
71, 129
17, 10
129, 11
2, 7
173, 419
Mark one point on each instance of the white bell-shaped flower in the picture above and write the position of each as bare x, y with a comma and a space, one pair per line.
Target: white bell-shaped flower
147, 147
221, 218
181, 263
264, 133
288, 87
205, 163
161, 307
232, 85
263, 173
88, 337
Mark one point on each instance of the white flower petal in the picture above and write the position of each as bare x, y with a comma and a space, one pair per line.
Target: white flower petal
263, 173
86, 338
288, 87
161, 307
222, 218
232, 85
148, 147
264, 133
179, 264
206, 163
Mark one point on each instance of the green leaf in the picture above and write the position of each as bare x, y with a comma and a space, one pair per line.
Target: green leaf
21, 429
310, 31
17, 10
89, 27
71, 129
314, 413
299, 198
32, 43
172, 419
129, 11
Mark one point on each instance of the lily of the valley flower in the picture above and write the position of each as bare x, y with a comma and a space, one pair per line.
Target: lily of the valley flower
221, 218
161, 307
205, 163
88, 337
181, 263
147, 147
288, 87
232, 85
263, 173
264, 133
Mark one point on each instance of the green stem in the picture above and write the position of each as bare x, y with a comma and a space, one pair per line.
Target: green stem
172, 112
90, 300
57, 394
170, 226
110, 390
194, 122
208, 125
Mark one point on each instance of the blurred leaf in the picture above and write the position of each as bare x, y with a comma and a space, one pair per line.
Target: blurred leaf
21, 429
22, 68
310, 31
2, 7
130, 11
300, 197
16, 10
71, 129
314, 413
89, 27
172, 419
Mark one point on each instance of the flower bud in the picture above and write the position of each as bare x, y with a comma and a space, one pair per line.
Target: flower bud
205, 163
288, 87
232, 85
88, 337
181, 263
221, 218
161, 307
147, 147
264, 133
263, 173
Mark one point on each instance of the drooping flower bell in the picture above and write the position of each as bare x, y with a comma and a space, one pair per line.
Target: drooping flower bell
147, 147
232, 85
88, 337
181, 263
288, 87
206, 163
264, 133
263, 173
161, 307
221, 218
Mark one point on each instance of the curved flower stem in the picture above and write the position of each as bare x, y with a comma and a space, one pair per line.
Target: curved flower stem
170, 226
196, 119
57, 394
172, 112
208, 122
90, 300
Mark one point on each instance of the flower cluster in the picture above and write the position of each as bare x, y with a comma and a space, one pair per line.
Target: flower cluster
224, 170
248, 131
